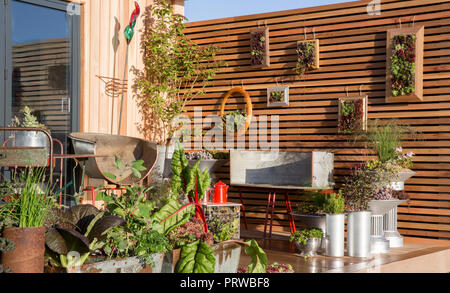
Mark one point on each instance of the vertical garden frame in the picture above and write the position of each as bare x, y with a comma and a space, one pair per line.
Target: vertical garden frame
364, 113
265, 51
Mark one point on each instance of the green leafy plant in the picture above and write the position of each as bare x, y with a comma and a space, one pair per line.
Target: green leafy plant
28, 120
306, 57
176, 69
233, 121
304, 235
223, 231
190, 180
82, 229
334, 203
403, 65
196, 257
28, 200
313, 203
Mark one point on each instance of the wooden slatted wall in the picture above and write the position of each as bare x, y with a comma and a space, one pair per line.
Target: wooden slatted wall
353, 54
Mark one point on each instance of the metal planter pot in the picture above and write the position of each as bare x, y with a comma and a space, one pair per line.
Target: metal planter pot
134, 264
227, 257
313, 221
358, 234
28, 256
31, 139
310, 248
335, 225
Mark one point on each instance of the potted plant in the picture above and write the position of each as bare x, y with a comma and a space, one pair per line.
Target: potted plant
307, 56
164, 88
310, 210
334, 207
27, 201
259, 47
352, 114
307, 241
29, 138
278, 96
404, 63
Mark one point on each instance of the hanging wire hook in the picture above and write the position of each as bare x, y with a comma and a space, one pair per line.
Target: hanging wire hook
304, 31
314, 32
265, 22
414, 21
242, 84
232, 84
346, 90
276, 80
257, 23
360, 90
400, 21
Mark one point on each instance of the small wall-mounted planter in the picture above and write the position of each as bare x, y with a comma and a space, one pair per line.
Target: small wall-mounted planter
307, 56
259, 47
404, 64
278, 96
352, 114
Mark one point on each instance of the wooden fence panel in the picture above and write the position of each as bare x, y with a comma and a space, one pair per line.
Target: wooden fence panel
352, 58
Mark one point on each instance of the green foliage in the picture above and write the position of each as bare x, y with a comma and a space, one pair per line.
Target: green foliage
223, 231
258, 256
334, 203
302, 236
174, 65
27, 199
306, 57
191, 180
28, 120
196, 257
277, 96
403, 65
172, 215
233, 121
313, 203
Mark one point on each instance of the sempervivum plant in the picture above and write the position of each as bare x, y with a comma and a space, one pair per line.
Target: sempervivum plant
403, 65
258, 47
276, 97
351, 116
306, 57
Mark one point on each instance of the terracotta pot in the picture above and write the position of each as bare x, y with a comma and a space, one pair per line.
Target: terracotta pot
28, 256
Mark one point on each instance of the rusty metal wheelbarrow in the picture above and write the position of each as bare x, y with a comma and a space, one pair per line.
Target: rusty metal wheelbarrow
106, 147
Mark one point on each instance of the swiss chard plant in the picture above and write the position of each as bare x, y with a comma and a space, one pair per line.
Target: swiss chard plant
403, 65
306, 57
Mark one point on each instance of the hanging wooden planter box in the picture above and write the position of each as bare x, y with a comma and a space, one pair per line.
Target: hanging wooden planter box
259, 47
352, 115
310, 57
405, 46
278, 96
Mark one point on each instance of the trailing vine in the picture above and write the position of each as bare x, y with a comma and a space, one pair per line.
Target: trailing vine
306, 57
403, 65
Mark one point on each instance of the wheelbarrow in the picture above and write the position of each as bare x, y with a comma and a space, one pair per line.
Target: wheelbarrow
106, 147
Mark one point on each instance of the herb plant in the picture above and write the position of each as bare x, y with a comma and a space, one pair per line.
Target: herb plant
306, 57
403, 65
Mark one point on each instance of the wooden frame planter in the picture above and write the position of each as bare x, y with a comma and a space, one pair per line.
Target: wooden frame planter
415, 55
259, 49
284, 99
343, 126
316, 56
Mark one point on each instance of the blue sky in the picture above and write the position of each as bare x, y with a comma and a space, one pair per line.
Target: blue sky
196, 10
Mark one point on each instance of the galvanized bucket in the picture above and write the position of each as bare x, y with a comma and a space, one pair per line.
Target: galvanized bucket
310, 248
335, 235
31, 139
358, 234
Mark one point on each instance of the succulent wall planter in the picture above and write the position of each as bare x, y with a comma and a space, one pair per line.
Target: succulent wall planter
259, 47
404, 64
352, 114
307, 56
278, 96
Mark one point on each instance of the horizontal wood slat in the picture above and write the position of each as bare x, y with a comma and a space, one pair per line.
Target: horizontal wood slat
352, 59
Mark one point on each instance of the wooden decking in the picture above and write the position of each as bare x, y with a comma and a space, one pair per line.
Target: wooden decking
412, 258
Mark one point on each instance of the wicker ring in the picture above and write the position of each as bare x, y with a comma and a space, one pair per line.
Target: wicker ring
248, 107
